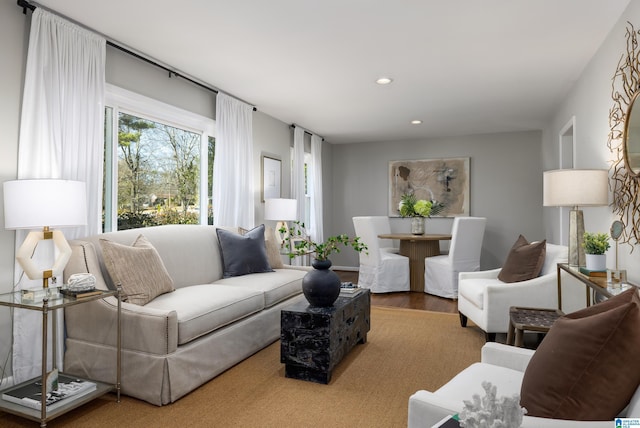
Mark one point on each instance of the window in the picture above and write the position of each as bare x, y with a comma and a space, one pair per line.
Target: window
158, 163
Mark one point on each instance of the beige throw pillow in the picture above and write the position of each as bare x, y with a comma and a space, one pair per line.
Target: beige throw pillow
273, 249
138, 269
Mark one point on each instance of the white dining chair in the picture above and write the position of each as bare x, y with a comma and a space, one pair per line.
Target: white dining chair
441, 272
382, 270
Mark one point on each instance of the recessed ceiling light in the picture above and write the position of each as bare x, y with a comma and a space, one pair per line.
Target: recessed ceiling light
416, 122
384, 80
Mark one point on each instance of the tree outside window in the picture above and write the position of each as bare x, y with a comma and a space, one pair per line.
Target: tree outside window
158, 173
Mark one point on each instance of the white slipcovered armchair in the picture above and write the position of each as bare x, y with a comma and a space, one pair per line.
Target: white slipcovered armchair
486, 300
504, 367
381, 269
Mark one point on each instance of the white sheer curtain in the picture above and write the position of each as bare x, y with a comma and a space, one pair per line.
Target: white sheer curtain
61, 136
315, 174
233, 190
297, 176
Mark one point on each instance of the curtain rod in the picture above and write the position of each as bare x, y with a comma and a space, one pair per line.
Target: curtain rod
24, 4
293, 125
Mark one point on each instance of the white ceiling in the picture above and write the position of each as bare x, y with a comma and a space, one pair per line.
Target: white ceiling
460, 66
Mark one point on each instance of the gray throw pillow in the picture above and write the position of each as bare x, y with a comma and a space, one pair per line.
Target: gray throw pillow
243, 254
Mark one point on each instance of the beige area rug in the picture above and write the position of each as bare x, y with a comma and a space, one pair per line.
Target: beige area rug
406, 350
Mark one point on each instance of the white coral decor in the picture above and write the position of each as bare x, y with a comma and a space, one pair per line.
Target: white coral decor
489, 412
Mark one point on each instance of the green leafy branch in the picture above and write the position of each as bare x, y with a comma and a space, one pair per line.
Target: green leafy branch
298, 243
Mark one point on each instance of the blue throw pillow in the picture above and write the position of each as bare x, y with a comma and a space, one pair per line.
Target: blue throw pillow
243, 254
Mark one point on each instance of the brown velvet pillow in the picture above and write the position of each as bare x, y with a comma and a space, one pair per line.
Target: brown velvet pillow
524, 261
586, 368
138, 269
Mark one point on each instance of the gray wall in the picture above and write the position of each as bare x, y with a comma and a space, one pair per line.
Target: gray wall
505, 186
589, 101
138, 76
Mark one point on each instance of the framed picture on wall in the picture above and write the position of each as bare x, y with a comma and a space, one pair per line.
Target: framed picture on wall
445, 182
271, 176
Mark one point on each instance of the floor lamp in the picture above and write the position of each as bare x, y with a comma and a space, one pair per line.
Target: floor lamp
44, 204
575, 188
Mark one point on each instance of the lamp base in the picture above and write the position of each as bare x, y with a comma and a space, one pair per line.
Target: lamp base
28, 247
576, 238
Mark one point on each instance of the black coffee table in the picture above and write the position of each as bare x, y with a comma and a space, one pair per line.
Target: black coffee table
314, 340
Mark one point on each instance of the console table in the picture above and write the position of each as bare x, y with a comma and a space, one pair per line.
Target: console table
417, 248
592, 283
313, 340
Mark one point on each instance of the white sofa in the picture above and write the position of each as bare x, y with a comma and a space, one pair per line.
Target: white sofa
504, 367
181, 339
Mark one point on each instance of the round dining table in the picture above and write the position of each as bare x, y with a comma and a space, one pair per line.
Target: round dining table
417, 248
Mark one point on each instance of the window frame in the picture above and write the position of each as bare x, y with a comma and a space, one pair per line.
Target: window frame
121, 100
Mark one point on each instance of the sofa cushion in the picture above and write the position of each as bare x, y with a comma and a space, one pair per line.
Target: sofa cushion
586, 368
204, 308
276, 287
524, 261
243, 254
138, 269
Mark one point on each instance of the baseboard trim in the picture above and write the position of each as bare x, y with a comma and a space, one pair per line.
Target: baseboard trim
347, 268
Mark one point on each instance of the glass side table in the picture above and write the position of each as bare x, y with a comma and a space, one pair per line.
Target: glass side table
50, 303
596, 284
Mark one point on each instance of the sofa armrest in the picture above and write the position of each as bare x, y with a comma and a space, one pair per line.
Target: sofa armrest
143, 329
482, 274
427, 408
537, 292
507, 356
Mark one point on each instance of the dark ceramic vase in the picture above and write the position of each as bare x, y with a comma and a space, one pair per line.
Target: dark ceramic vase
321, 286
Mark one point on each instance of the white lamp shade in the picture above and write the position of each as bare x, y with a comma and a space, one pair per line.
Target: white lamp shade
280, 209
33, 204
575, 187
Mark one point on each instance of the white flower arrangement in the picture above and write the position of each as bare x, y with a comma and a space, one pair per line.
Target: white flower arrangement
492, 412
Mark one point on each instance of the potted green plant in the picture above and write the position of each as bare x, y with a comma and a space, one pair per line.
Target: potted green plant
321, 286
595, 245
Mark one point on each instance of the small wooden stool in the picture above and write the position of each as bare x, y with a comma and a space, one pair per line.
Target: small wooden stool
531, 319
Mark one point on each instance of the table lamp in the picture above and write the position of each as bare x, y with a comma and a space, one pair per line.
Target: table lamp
281, 210
575, 188
44, 204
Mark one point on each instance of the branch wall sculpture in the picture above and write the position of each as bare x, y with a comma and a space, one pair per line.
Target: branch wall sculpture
624, 186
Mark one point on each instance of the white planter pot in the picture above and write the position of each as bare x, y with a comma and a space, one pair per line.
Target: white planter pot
596, 261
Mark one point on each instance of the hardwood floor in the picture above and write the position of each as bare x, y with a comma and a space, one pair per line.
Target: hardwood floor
406, 299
